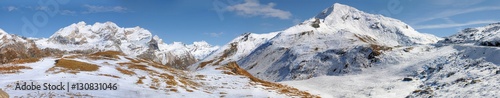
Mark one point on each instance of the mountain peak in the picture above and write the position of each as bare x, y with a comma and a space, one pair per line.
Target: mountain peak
336, 9
2, 32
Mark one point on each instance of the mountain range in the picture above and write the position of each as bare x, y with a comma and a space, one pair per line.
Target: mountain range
340, 52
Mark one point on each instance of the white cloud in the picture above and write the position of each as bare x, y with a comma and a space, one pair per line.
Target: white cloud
254, 8
451, 25
214, 34
101, 9
449, 13
11, 8
68, 12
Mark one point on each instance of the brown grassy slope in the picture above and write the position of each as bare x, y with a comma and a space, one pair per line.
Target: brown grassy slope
106, 54
234, 68
125, 71
74, 66
27, 60
12, 69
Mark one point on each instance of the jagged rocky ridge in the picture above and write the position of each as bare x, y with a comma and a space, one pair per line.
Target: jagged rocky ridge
485, 36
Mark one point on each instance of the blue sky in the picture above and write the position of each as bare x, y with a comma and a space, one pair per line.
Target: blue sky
219, 21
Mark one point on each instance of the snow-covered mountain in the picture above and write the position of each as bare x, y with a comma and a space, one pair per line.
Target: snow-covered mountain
201, 49
339, 40
137, 42
6, 39
456, 67
235, 50
486, 36
13, 48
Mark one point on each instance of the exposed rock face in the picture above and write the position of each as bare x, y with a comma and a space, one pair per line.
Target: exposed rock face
13, 47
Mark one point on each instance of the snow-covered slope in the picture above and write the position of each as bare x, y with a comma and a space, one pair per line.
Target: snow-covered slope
133, 78
339, 40
446, 70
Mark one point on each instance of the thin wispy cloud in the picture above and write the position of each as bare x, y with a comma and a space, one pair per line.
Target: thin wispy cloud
450, 13
42, 8
102, 9
68, 12
214, 34
11, 8
456, 2
452, 25
254, 8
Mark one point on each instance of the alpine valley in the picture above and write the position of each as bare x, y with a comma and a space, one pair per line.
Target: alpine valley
340, 52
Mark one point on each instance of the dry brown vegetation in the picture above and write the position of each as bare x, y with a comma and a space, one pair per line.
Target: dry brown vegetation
234, 69
203, 64
366, 39
108, 75
137, 66
133, 60
106, 55
125, 71
140, 80
377, 49
174, 78
76, 65
27, 60
10, 69
72, 66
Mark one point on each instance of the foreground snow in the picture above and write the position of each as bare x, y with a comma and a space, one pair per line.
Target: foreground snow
443, 71
157, 81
